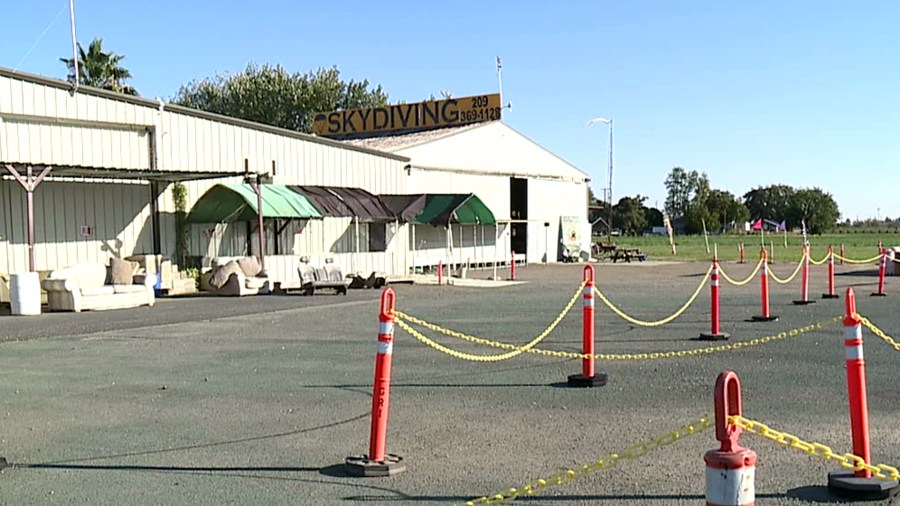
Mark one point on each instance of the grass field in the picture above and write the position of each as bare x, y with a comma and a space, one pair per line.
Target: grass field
691, 248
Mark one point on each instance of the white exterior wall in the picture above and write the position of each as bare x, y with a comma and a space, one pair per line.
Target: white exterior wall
118, 216
481, 160
42, 124
547, 202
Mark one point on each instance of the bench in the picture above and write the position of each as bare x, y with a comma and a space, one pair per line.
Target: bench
314, 278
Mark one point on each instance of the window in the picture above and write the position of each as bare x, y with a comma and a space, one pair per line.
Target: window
377, 237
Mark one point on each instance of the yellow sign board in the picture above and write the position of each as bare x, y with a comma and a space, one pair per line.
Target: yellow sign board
418, 116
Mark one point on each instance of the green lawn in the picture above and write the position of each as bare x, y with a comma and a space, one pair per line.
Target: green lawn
691, 248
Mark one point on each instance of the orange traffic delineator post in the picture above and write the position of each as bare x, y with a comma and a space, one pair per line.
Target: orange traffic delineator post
714, 334
588, 378
859, 484
379, 463
804, 280
830, 294
512, 265
764, 291
440, 272
730, 470
741, 251
882, 267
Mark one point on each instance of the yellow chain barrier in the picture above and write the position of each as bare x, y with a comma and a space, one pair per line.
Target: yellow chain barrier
599, 356
656, 323
847, 460
851, 261
608, 461
878, 332
745, 281
516, 350
790, 278
820, 262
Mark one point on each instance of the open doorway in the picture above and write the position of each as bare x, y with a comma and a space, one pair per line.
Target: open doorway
518, 210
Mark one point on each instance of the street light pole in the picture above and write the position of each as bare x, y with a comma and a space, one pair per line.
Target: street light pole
610, 174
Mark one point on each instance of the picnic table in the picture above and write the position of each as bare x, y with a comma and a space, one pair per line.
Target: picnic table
628, 254
615, 253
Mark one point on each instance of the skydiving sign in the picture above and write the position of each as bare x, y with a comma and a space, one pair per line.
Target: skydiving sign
410, 117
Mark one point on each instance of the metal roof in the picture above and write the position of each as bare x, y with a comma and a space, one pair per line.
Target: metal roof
401, 141
157, 104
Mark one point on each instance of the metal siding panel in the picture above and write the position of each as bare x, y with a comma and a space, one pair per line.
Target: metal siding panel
22, 99
6, 99
24, 144
38, 99
191, 148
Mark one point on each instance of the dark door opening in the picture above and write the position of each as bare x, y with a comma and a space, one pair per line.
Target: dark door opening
518, 210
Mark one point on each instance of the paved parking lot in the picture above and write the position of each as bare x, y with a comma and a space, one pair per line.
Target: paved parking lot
260, 400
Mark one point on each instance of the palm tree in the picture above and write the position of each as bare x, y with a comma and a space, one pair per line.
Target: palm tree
100, 69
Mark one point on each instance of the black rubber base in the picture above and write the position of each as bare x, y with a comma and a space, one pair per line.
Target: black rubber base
804, 302
876, 294
709, 336
846, 485
830, 296
362, 466
580, 381
763, 318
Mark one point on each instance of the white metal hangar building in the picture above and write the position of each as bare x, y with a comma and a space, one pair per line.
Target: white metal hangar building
99, 169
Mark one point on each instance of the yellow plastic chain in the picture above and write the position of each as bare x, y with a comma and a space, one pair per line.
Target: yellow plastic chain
599, 356
608, 461
656, 323
516, 351
878, 332
790, 278
851, 261
822, 261
745, 281
847, 460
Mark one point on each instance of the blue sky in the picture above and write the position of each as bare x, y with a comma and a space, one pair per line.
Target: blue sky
752, 93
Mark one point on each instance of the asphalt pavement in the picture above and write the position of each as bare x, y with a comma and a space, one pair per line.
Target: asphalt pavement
259, 400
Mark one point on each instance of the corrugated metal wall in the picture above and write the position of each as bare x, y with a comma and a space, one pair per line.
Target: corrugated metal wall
74, 222
44, 125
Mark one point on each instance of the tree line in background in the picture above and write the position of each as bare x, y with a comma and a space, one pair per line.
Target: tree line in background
694, 205
267, 94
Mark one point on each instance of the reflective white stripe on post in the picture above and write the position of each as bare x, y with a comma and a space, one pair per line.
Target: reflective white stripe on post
854, 352
715, 282
853, 332
385, 347
730, 487
386, 328
588, 296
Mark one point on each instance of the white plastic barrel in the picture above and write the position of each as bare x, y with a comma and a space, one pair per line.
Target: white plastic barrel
25, 294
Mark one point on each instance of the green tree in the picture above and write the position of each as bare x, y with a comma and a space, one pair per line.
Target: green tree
683, 188
770, 202
724, 211
100, 69
273, 96
653, 216
628, 215
816, 208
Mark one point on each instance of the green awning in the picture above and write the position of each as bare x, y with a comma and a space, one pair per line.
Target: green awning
227, 203
441, 209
